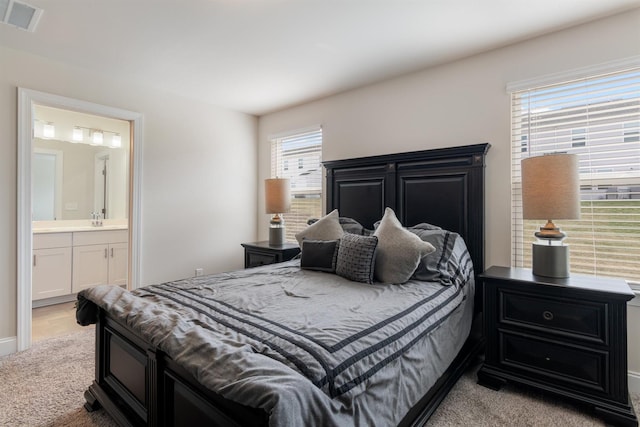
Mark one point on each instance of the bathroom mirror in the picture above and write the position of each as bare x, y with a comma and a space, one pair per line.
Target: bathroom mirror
80, 165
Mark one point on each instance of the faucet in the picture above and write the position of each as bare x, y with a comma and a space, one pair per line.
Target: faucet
96, 219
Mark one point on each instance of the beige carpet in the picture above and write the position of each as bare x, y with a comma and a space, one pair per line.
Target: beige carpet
44, 386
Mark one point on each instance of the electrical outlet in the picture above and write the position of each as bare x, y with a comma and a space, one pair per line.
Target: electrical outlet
199, 272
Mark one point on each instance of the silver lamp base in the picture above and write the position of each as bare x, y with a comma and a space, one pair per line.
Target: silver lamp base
550, 260
276, 236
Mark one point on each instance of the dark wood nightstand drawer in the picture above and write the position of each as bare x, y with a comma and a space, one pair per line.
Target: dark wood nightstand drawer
255, 259
570, 317
566, 365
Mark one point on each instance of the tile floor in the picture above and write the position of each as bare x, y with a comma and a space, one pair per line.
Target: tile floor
53, 320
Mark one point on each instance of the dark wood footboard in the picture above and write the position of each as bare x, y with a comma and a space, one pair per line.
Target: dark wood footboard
138, 385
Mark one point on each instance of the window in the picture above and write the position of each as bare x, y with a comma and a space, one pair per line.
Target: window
632, 132
578, 138
304, 150
597, 118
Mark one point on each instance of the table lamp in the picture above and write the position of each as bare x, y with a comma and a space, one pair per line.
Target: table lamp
277, 192
550, 191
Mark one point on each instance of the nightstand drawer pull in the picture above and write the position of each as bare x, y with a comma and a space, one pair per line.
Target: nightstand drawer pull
547, 315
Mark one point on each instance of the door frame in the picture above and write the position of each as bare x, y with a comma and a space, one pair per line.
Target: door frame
26, 99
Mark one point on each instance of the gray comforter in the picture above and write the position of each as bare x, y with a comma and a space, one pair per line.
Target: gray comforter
310, 348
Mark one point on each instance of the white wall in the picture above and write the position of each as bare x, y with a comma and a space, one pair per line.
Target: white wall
197, 206
459, 103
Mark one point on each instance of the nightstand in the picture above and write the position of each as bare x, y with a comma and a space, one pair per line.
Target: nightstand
261, 253
563, 336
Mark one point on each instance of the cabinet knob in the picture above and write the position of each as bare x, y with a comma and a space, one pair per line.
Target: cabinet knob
547, 315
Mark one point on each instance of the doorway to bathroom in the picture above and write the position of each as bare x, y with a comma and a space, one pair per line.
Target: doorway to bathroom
83, 229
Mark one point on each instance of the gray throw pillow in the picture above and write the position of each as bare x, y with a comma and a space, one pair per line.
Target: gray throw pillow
399, 250
357, 257
319, 255
326, 228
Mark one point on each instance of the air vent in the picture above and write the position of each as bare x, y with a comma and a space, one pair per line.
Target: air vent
19, 14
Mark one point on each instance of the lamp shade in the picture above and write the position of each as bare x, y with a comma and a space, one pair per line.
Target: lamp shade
277, 193
551, 187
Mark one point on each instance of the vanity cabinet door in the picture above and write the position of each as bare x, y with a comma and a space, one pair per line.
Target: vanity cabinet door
90, 266
100, 258
118, 263
51, 273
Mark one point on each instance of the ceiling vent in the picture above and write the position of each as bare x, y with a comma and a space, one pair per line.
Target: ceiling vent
19, 14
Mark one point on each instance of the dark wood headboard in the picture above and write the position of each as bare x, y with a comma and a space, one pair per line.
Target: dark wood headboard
444, 187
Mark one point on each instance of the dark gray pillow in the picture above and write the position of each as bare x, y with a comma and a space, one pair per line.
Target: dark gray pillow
425, 226
320, 255
350, 225
356, 257
433, 268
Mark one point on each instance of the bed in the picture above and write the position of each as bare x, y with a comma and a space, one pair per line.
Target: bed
169, 354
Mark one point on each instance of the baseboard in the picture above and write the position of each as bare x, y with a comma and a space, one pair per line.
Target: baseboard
54, 300
8, 345
634, 382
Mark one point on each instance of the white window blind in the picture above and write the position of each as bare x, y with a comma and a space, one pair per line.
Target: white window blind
597, 118
298, 157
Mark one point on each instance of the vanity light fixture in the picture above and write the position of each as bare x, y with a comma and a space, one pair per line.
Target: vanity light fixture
48, 130
81, 134
97, 136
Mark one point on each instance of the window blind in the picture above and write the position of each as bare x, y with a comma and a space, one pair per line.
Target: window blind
298, 157
597, 118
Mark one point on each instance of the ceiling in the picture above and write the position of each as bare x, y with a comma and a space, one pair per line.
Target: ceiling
258, 56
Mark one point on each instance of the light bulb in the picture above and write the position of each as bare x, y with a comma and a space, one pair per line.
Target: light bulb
98, 137
116, 141
49, 130
77, 134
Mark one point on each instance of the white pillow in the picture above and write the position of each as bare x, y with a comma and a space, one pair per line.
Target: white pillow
399, 250
326, 228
